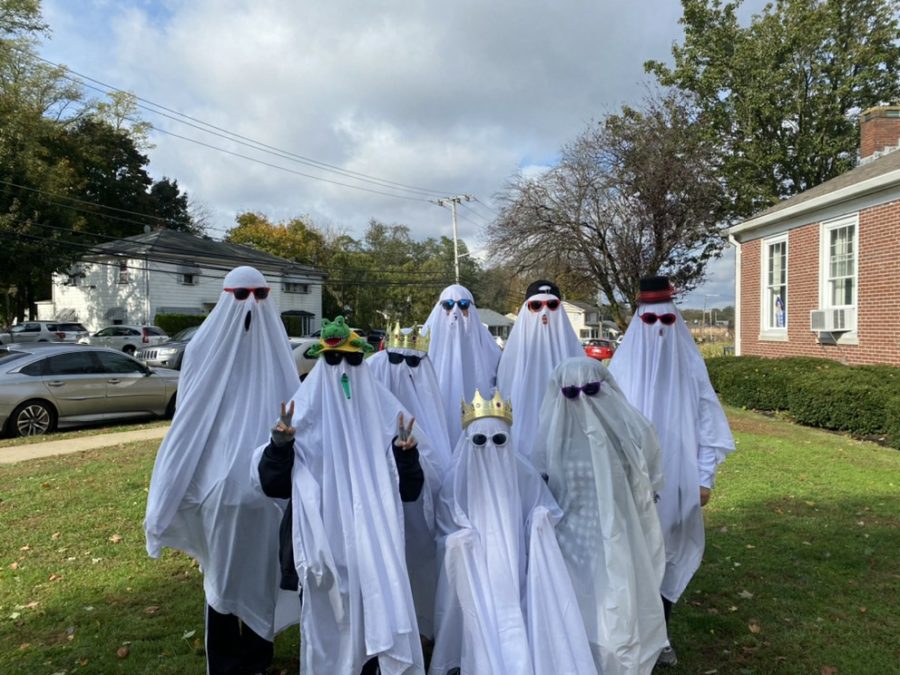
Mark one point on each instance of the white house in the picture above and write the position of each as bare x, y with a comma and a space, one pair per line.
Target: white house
585, 319
498, 324
130, 281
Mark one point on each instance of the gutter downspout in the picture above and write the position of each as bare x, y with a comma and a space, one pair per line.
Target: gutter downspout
737, 293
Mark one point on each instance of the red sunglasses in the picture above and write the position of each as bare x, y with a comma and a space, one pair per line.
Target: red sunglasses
243, 293
536, 305
650, 318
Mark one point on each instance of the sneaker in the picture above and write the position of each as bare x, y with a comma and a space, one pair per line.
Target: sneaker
667, 658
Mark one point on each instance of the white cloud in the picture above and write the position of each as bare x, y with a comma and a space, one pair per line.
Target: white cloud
453, 97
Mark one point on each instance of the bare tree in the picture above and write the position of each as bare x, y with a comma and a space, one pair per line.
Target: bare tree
636, 195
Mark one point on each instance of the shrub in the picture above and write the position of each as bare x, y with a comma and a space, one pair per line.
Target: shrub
749, 382
858, 399
172, 323
892, 421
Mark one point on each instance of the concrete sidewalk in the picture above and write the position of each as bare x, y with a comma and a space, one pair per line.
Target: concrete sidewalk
20, 453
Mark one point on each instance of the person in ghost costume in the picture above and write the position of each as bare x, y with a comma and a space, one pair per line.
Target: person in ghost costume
541, 339
660, 371
236, 370
505, 601
602, 460
462, 351
348, 527
405, 369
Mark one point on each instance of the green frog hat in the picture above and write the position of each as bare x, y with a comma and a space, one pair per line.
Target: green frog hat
337, 336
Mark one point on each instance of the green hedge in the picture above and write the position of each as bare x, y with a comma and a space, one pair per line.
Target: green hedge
861, 400
172, 323
892, 421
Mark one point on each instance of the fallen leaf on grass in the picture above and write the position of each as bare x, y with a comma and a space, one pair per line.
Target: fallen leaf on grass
46, 486
188, 634
55, 536
122, 652
13, 565
82, 661
754, 627
26, 547
863, 610
55, 577
747, 595
116, 538
828, 670
152, 609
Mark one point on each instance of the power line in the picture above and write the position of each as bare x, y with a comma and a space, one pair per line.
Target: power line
213, 129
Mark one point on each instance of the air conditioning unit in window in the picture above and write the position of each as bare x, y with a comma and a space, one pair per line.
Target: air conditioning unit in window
832, 320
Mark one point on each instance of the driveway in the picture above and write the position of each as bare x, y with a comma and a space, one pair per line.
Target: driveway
11, 455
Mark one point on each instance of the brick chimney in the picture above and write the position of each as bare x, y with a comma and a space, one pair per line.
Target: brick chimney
879, 131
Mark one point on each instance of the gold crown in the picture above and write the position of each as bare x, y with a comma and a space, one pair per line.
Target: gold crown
412, 339
481, 407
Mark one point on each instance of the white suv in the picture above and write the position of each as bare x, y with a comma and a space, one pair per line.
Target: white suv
47, 331
126, 338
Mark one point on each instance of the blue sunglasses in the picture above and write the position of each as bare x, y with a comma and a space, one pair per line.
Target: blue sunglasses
462, 304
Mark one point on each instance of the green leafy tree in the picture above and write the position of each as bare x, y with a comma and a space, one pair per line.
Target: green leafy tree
781, 97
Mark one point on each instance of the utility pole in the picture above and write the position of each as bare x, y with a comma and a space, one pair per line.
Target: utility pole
453, 201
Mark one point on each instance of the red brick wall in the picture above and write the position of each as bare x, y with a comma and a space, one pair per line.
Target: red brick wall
878, 276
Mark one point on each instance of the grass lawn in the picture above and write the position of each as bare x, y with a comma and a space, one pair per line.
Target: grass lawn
800, 576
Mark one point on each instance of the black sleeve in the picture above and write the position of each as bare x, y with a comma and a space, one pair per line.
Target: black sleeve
412, 478
275, 469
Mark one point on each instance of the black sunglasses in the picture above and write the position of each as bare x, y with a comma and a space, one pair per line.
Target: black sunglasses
498, 439
589, 389
463, 304
651, 318
332, 357
243, 293
412, 360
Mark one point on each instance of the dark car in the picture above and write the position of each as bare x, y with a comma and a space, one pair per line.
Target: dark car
599, 348
374, 337
49, 384
169, 354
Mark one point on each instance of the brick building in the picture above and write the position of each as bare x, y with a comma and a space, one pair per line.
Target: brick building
819, 274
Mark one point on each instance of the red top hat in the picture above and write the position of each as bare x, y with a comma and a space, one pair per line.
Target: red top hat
655, 289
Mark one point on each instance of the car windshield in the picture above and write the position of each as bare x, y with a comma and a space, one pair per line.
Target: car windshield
185, 334
72, 327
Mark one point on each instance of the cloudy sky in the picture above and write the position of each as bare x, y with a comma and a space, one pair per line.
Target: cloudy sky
367, 109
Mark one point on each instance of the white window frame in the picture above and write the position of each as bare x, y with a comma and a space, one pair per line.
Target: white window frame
768, 329
188, 279
123, 272
825, 294
297, 287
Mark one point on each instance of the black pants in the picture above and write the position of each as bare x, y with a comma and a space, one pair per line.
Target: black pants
232, 648
667, 609
370, 668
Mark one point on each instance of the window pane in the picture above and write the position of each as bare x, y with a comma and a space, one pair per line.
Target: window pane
76, 363
119, 363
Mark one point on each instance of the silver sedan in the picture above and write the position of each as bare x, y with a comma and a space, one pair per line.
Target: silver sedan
42, 386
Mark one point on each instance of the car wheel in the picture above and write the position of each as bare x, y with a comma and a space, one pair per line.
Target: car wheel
170, 409
33, 418
128, 349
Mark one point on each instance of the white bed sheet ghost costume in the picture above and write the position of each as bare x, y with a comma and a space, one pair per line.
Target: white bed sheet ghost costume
463, 352
237, 370
418, 391
348, 522
603, 462
505, 602
660, 371
538, 342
